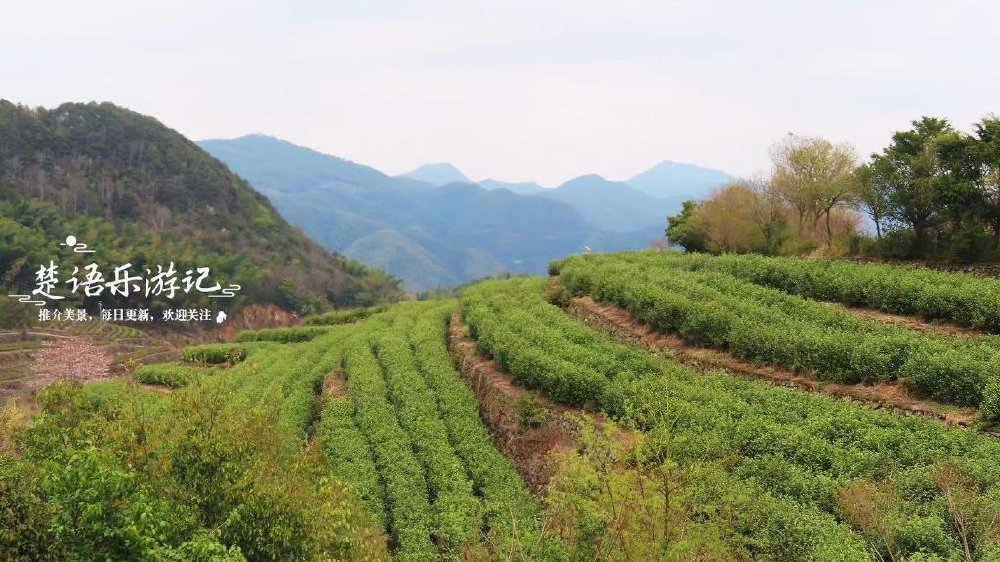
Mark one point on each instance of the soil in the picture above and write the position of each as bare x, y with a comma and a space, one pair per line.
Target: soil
334, 385
71, 358
531, 449
155, 388
43, 357
911, 322
621, 325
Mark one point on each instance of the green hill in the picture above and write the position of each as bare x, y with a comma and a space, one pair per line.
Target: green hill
138, 192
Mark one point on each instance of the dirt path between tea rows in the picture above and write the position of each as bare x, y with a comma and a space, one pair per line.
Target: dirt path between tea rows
531, 449
622, 326
502, 401
904, 321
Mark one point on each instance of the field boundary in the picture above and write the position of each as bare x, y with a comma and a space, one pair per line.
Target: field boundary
623, 327
917, 323
530, 449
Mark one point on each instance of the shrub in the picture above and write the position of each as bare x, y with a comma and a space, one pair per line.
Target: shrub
173, 375
346, 316
282, 335
215, 354
689, 296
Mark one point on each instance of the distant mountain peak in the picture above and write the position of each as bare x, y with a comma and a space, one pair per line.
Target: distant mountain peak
438, 173
673, 180
588, 177
260, 136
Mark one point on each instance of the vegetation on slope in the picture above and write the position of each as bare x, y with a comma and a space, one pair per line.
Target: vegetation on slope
213, 471
356, 437
409, 438
959, 298
778, 473
140, 193
717, 310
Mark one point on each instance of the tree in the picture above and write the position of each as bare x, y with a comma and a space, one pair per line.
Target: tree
682, 231
986, 155
14, 314
815, 177
912, 169
956, 191
768, 212
727, 222
872, 194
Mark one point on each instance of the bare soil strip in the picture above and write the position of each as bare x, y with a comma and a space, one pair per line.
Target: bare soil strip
530, 448
621, 325
157, 388
334, 385
911, 322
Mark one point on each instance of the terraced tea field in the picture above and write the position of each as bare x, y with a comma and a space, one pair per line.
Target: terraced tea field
640, 406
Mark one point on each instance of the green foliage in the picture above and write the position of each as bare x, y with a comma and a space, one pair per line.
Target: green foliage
282, 335
349, 455
682, 233
173, 375
15, 315
939, 186
455, 508
779, 474
216, 354
409, 439
346, 316
618, 500
528, 413
675, 293
960, 298
406, 486
140, 193
989, 408
125, 475
509, 511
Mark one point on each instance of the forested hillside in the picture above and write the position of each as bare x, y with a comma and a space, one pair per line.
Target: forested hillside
138, 192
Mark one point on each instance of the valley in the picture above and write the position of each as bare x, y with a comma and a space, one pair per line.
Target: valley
436, 227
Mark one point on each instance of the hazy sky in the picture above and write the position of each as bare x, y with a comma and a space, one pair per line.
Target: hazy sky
516, 89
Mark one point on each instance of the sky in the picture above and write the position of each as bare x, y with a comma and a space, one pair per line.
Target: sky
517, 90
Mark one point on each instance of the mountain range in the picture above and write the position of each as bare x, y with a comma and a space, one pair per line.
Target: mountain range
434, 226
139, 192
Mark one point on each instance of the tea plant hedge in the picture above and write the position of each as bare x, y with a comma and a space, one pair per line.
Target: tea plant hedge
717, 310
809, 460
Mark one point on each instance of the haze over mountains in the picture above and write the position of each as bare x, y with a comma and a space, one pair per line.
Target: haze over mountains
434, 226
439, 173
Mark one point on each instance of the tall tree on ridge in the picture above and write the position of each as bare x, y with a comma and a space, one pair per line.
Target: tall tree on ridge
912, 167
987, 159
